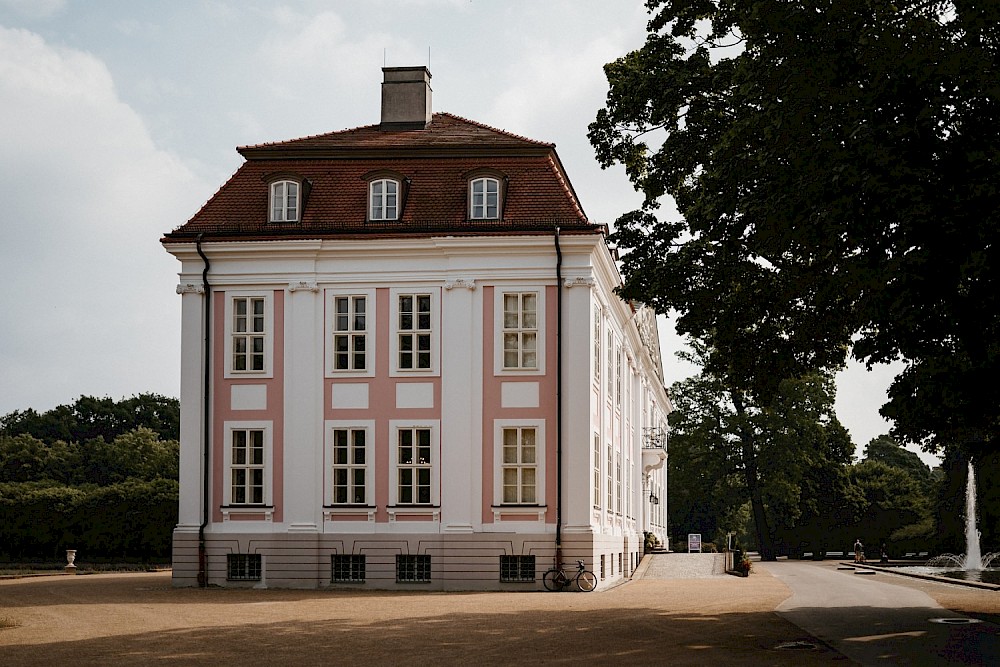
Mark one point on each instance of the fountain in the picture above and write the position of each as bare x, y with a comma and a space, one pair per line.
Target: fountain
972, 563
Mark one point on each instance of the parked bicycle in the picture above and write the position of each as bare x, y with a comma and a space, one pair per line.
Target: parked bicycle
557, 579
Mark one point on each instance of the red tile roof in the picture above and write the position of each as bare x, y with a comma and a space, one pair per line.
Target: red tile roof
435, 162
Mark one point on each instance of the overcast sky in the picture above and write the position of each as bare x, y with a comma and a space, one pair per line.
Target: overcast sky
120, 118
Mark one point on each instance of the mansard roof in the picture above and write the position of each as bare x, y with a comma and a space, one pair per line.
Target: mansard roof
434, 164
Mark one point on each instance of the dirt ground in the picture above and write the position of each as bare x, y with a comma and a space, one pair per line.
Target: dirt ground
139, 619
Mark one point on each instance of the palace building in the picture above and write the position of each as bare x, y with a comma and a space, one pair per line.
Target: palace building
404, 365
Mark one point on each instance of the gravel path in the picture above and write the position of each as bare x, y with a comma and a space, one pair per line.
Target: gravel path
139, 619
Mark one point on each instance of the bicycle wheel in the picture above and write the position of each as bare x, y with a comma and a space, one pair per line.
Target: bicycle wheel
552, 580
586, 581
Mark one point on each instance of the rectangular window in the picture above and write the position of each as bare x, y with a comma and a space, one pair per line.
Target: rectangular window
248, 334
610, 480
413, 568
413, 466
602, 566
350, 339
247, 467
349, 466
414, 331
520, 330
347, 568
597, 470
618, 375
597, 346
243, 567
618, 485
519, 466
610, 370
517, 568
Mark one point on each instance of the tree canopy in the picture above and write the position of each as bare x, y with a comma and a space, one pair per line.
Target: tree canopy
835, 166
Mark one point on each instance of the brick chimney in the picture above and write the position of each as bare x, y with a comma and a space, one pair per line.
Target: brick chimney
406, 98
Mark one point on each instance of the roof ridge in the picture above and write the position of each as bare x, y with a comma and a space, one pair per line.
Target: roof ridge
494, 129
267, 144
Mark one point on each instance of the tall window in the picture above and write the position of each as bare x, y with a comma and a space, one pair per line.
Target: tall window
350, 333
597, 346
597, 470
618, 375
383, 199
248, 334
247, 467
618, 484
610, 361
610, 479
413, 466
520, 330
349, 466
284, 201
484, 200
519, 465
414, 331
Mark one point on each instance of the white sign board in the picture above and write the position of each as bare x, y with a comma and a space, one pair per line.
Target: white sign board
694, 543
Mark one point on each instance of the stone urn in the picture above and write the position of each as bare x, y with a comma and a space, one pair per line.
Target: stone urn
70, 560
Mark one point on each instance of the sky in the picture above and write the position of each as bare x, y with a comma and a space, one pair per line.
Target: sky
120, 118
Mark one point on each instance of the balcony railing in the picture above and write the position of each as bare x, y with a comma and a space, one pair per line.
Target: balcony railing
654, 437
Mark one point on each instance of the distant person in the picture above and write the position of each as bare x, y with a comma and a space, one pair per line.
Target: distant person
884, 554
859, 551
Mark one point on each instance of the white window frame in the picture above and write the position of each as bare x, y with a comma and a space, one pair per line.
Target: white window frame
329, 494
231, 298
434, 426
540, 329
398, 333
480, 209
284, 205
267, 507
369, 333
378, 202
597, 452
498, 463
597, 346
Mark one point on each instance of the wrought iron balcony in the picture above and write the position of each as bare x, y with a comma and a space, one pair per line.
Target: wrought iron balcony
654, 437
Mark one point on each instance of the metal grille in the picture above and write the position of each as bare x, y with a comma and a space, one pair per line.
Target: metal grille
411, 568
243, 567
517, 568
347, 568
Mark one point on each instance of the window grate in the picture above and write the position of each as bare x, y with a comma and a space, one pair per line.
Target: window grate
243, 567
413, 568
517, 568
347, 568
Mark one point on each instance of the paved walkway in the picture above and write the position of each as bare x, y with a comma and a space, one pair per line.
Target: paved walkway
874, 619
685, 566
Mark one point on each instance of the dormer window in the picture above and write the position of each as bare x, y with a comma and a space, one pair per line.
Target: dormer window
484, 199
285, 201
383, 198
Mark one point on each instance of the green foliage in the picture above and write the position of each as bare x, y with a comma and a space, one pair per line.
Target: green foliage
95, 476
89, 418
835, 167
791, 453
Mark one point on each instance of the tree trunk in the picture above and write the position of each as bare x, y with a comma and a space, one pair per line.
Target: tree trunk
765, 541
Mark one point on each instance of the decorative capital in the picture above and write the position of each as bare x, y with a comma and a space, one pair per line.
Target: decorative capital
467, 283
307, 285
579, 280
190, 288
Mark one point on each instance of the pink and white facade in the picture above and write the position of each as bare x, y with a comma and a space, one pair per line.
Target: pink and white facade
404, 366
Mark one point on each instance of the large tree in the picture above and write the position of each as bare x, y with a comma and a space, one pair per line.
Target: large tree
787, 460
836, 170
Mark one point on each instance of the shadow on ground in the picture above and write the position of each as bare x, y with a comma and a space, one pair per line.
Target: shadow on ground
620, 636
